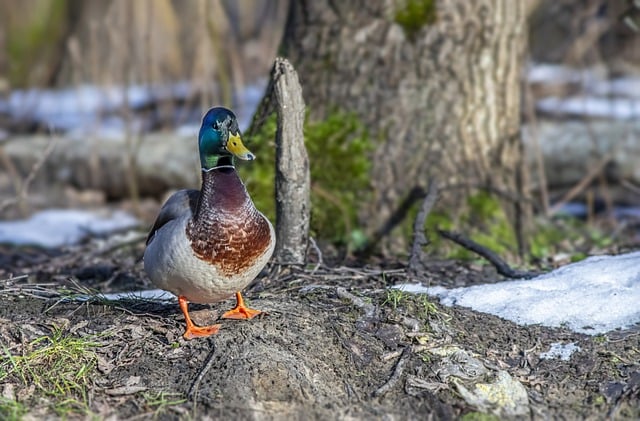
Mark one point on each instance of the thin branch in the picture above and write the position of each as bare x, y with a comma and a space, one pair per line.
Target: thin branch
419, 239
501, 266
265, 109
318, 252
398, 215
26, 184
630, 186
397, 373
532, 119
193, 390
369, 309
583, 184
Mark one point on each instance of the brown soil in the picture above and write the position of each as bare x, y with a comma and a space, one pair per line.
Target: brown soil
335, 344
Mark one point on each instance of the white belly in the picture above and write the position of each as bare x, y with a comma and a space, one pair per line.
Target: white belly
171, 265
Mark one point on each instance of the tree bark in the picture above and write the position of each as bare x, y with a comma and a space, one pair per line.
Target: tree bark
443, 100
292, 167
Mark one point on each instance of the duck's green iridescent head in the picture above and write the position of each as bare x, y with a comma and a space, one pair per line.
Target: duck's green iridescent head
220, 136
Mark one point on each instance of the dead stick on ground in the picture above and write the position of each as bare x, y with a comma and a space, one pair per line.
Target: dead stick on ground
419, 239
292, 167
501, 266
369, 309
193, 390
397, 373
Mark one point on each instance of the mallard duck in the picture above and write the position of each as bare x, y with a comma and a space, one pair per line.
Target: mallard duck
207, 245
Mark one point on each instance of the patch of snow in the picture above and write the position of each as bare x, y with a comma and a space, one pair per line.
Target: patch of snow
551, 73
188, 130
560, 350
594, 296
599, 95
58, 227
586, 106
624, 87
150, 294
420, 289
593, 81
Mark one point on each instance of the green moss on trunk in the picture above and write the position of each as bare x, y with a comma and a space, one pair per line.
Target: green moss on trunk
339, 160
412, 15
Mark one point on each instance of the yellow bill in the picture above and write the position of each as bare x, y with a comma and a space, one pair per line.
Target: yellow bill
237, 148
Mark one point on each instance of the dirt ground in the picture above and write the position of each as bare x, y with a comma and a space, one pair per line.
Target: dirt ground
336, 344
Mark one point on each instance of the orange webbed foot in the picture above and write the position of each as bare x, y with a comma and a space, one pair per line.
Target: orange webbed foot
194, 331
200, 332
240, 311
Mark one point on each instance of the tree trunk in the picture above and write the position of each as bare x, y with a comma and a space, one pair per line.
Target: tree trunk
440, 96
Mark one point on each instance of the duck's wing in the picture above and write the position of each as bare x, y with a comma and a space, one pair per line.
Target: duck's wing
181, 202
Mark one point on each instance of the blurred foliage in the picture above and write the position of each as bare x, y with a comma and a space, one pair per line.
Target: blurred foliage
486, 223
568, 235
338, 149
32, 35
57, 43
479, 416
631, 16
483, 220
414, 14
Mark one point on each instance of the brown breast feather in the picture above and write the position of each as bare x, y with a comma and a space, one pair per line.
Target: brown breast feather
228, 232
231, 245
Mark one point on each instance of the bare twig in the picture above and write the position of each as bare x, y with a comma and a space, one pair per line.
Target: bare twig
133, 140
507, 195
529, 109
578, 188
369, 309
26, 184
265, 109
419, 239
630, 186
501, 266
315, 248
398, 215
397, 373
11, 279
13, 286
193, 390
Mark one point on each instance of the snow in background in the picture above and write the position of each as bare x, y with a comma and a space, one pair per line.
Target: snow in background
89, 110
600, 96
594, 296
95, 110
58, 227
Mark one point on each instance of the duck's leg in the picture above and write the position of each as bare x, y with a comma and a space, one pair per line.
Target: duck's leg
240, 311
194, 331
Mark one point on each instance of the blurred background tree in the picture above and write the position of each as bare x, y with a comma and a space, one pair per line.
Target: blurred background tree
419, 88
436, 83
68, 42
